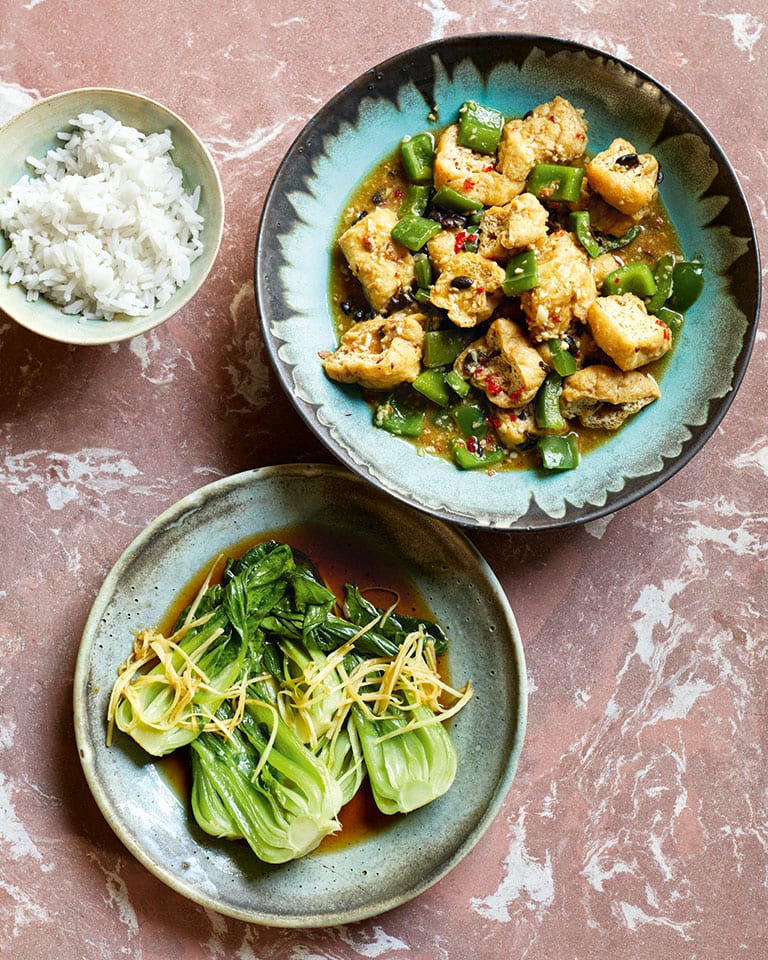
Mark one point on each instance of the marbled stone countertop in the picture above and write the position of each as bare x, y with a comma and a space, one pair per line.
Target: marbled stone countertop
637, 825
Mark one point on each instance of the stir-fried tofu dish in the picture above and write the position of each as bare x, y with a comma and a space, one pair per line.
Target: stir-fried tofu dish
504, 296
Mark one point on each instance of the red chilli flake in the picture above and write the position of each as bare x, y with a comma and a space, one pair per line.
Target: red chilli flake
665, 328
492, 386
472, 444
398, 193
480, 289
488, 169
461, 239
468, 184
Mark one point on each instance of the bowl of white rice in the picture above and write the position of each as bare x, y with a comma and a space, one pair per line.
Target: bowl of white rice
111, 216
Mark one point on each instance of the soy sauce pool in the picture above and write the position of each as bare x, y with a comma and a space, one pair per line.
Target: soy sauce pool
340, 558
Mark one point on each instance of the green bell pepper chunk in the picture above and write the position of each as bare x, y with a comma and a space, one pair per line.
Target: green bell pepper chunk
634, 278
563, 360
415, 201
441, 347
470, 419
559, 453
458, 384
672, 318
547, 403
432, 385
662, 275
413, 232
467, 459
422, 270
687, 284
581, 226
396, 418
522, 273
479, 127
418, 156
449, 199
549, 181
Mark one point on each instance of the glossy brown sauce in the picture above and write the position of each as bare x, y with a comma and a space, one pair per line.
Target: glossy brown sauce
341, 558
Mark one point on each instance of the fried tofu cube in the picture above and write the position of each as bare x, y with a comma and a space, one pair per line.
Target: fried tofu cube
553, 132
516, 428
469, 288
441, 249
503, 364
623, 178
603, 397
470, 173
624, 330
566, 287
383, 267
517, 225
379, 353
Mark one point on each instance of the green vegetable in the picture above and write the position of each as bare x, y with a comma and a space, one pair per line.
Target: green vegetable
450, 199
549, 181
441, 347
418, 156
663, 275
415, 201
432, 385
547, 403
422, 270
563, 360
687, 284
634, 278
477, 459
581, 226
480, 127
559, 453
457, 383
413, 232
522, 273
672, 318
395, 417
471, 420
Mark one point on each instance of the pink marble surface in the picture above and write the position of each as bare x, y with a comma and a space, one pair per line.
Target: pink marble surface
637, 825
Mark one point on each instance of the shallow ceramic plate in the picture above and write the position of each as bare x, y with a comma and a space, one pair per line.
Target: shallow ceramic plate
33, 133
374, 874
365, 123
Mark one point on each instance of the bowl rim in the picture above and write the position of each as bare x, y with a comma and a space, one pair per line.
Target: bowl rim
185, 293
534, 519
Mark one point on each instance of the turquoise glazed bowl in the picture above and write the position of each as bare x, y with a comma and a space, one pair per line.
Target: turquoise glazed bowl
363, 124
378, 871
33, 133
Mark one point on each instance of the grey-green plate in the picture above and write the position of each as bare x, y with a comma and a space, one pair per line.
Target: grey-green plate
374, 874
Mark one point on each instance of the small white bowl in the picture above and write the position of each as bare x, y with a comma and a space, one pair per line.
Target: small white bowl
33, 132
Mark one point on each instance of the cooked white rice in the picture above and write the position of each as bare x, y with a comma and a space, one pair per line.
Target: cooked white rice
104, 226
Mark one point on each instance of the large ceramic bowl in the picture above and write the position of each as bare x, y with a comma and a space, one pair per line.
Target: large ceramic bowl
33, 133
382, 870
364, 123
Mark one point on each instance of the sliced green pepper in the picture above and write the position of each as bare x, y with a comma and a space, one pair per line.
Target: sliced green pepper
522, 273
422, 270
672, 318
416, 200
616, 243
441, 347
449, 199
395, 417
547, 403
479, 127
458, 384
467, 459
432, 385
662, 275
413, 232
634, 278
418, 156
470, 419
549, 181
687, 284
563, 360
559, 453
581, 226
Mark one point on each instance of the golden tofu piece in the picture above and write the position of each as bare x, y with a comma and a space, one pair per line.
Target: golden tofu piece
623, 178
472, 174
624, 330
566, 287
379, 353
553, 132
517, 225
383, 267
469, 288
603, 397
516, 427
442, 248
503, 364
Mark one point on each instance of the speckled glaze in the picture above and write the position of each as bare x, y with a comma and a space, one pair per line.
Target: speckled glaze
33, 132
363, 124
361, 879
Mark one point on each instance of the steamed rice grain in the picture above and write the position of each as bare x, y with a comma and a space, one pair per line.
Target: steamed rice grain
104, 226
